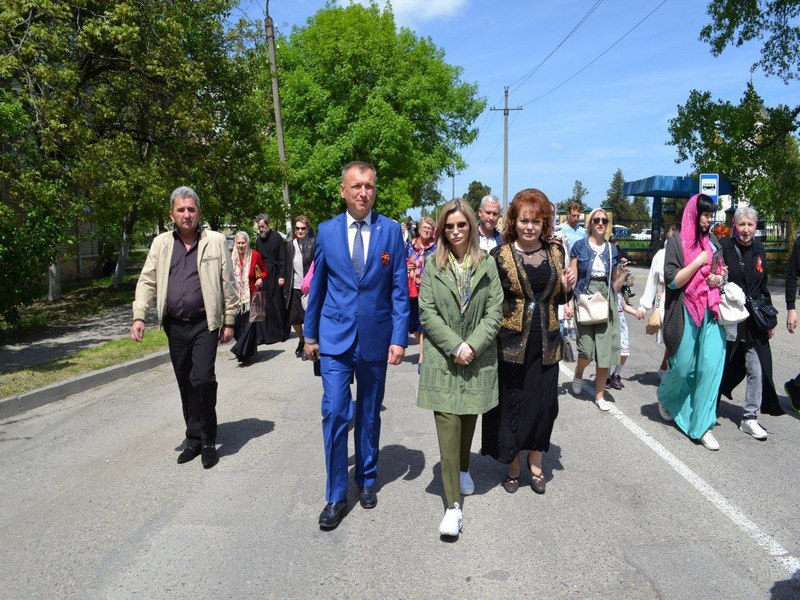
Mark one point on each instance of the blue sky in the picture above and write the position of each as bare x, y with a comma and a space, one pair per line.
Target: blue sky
612, 115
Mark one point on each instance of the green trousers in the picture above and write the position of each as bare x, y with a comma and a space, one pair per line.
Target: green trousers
455, 440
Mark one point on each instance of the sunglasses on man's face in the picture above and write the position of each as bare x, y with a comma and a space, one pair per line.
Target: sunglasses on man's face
598, 220
460, 225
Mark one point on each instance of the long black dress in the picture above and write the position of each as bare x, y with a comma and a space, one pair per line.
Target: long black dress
524, 418
275, 326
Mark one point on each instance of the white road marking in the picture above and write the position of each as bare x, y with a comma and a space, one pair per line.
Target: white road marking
767, 543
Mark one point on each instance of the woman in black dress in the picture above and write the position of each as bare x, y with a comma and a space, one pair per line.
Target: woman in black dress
529, 344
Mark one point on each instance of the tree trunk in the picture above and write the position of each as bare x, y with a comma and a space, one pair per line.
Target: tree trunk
127, 234
54, 281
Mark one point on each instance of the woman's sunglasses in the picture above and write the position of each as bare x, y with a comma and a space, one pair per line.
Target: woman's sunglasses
598, 220
460, 225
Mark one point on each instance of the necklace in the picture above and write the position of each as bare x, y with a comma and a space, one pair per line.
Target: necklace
527, 252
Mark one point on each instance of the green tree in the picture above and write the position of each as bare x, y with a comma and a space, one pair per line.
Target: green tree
578, 194
475, 193
749, 143
354, 86
746, 143
616, 198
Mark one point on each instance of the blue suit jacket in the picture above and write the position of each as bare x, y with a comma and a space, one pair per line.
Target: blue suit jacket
374, 308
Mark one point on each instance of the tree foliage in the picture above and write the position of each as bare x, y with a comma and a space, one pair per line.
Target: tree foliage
624, 209
475, 193
354, 86
736, 22
578, 194
113, 104
753, 145
746, 143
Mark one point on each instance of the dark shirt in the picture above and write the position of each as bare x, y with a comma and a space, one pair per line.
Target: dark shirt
791, 276
184, 297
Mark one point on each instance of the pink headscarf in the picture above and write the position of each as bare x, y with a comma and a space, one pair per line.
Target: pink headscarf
697, 294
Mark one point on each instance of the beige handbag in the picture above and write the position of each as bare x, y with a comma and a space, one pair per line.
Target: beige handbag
654, 322
594, 309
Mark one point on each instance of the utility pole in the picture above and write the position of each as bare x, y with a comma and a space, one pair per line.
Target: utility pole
505, 110
454, 183
276, 101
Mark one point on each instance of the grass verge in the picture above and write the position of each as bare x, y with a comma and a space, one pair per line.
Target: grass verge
85, 361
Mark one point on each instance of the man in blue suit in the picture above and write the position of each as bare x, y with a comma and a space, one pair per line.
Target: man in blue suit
356, 321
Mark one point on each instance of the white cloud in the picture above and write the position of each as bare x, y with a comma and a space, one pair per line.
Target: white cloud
409, 12
557, 146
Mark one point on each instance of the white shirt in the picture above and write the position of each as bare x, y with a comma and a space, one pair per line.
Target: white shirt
352, 228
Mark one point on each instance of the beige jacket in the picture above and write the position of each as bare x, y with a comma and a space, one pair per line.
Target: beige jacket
216, 279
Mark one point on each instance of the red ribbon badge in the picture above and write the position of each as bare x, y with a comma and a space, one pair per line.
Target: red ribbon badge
759, 265
385, 258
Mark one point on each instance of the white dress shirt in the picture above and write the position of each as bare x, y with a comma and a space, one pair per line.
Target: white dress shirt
366, 228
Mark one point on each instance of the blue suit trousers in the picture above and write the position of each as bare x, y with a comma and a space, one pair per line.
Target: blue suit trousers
338, 410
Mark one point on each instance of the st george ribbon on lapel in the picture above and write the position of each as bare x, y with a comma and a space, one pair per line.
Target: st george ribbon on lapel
358, 250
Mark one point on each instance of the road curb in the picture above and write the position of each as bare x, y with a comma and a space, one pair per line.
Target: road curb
14, 405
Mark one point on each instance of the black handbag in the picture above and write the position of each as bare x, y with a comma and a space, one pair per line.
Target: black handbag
764, 314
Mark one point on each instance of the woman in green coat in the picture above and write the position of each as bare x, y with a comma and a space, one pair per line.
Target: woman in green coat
460, 306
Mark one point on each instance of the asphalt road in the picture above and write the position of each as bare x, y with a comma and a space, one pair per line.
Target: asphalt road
93, 504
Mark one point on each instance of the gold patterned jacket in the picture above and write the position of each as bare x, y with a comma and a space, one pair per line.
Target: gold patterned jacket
519, 304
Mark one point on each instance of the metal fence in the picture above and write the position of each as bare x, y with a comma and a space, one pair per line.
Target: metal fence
632, 233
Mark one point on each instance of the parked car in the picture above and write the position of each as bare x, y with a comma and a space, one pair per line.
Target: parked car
620, 231
643, 235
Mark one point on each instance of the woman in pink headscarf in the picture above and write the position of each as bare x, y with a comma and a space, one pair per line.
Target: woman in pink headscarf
693, 336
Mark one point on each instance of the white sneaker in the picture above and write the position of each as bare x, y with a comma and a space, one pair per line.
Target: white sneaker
664, 412
577, 386
752, 427
467, 485
709, 441
452, 522
603, 404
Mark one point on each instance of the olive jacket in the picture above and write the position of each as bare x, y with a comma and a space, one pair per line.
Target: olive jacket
445, 386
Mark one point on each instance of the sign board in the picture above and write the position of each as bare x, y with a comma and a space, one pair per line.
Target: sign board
709, 185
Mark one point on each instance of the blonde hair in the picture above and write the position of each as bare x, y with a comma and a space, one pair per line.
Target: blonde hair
456, 205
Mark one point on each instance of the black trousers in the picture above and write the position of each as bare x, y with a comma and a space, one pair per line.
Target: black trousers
193, 350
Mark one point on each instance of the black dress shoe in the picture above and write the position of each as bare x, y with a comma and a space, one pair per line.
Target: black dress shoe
209, 456
300, 350
189, 453
332, 515
368, 499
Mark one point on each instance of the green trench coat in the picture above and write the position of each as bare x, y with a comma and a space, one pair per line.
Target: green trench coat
445, 386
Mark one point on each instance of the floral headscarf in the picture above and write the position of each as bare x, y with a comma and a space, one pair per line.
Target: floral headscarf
241, 274
697, 294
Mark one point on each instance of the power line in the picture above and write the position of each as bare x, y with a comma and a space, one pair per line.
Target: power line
598, 57
500, 141
521, 81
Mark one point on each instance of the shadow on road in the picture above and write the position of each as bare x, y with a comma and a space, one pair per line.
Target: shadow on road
786, 589
233, 436
398, 462
647, 378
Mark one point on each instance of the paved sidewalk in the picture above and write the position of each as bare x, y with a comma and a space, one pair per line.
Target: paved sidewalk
63, 340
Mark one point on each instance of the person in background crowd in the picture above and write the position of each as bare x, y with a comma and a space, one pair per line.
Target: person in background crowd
653, 296
299, 256
749, 352
460, 305
615, 378
188, 272
792, 387
272, 248
405, 234
595, 262
694, 338
572, 228
488, 215
416, 253
535, 283
249, 274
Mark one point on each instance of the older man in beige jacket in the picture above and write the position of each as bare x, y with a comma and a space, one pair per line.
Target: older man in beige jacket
189, 273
